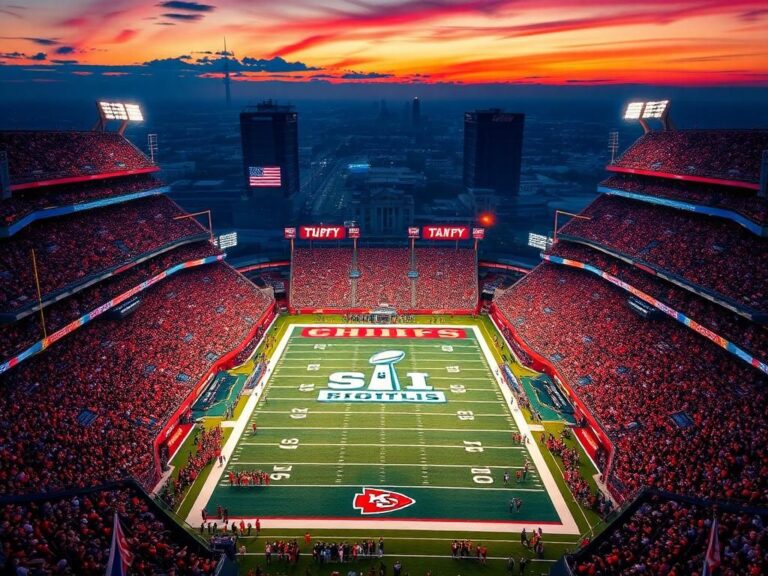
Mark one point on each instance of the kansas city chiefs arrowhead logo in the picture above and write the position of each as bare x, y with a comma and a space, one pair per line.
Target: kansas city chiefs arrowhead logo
374, 501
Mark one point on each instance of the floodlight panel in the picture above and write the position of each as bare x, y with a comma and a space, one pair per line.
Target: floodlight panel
538, 241
655, 109
113, 111
134, 113
634, 111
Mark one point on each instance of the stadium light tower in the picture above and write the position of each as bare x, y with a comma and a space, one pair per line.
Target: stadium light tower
652, 110
121, 111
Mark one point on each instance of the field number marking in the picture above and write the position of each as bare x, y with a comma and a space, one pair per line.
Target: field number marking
281, 472
481, 475
458, 388
299, 413
289, 443
306, 387
473, 446
465, 415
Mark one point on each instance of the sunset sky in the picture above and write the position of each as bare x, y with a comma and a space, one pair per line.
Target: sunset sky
685, 42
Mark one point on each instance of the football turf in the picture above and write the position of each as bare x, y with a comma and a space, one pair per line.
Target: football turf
448, 457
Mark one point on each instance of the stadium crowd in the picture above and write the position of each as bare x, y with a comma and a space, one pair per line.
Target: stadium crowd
744, 202
750, 336
666, 536
38, 156
72, 249
720, 154
207, 449
24, 202
447, 278
87, 409
18, 336
383, 277
320, 277
715, 254
677, 423
71, 536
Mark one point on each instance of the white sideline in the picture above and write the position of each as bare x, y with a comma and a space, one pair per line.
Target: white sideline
567, 526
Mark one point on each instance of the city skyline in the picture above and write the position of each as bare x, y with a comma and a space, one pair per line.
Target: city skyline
557, 42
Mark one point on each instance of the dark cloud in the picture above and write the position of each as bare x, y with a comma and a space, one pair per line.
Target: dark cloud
64, 62
38, 41
189, 6
275, 64
179, 63
12, 55
183, 17
365, 75
38, 56
65, 50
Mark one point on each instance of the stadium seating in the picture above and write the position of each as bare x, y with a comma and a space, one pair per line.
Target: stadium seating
18, 336
719, 154
87, 410
383, 277
750, 336
447, 278
678, 423
744, 202
42, 156
713, 253
24, 202
320, 277
73, 248
671, 536
71, 534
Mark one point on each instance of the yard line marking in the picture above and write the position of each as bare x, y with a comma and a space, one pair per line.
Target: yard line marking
504, 415
460, 401
380, 445
505, 490
463, 431
409, 465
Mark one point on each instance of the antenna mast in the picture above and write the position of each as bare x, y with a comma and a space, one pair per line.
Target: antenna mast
226, 75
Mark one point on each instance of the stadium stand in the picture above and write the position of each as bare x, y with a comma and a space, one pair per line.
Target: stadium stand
46, 156
36, 201
750, 336
732, 155
733, 199
718, 255
383, 277
447, 278
93, 403
18, 336
70, 534
677, 424
74, 249
666, 534
320, 277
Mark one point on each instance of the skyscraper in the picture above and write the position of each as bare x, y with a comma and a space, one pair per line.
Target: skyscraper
270, 139
416, 113
493, 146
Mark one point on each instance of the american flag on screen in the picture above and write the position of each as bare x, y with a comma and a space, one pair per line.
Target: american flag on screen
264, 175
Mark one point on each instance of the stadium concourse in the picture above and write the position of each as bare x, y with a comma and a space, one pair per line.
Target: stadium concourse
138, 309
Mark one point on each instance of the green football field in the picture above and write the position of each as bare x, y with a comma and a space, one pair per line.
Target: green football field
413, 428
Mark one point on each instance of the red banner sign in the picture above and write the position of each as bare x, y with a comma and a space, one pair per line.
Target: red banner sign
289, 233
445, 232
322, 232
355, 332
478, 233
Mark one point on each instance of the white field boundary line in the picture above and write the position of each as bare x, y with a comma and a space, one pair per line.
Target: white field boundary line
538, 459
358, 413
348, 445
399, 487
294, 428
568, 525
471, 559
375, 536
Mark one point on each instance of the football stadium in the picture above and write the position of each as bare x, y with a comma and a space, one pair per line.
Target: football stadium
365, 408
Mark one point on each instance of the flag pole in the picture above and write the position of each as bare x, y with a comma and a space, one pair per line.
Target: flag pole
39, 295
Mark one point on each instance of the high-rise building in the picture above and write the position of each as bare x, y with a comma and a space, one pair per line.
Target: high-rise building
493, 146
270, 139
416, 113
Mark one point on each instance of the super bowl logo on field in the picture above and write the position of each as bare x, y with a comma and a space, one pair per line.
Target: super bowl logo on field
383, 384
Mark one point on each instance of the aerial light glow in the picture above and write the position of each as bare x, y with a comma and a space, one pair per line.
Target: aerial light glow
113, 111
487, 219
655, 109
134, 113
634, 111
